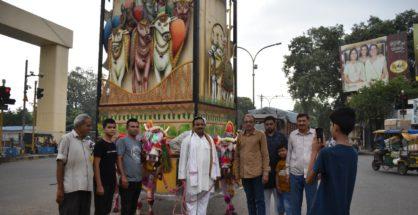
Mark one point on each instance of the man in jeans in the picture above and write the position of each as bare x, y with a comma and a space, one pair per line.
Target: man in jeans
74, 169
129, 165
275, 140
251, 164
297, 161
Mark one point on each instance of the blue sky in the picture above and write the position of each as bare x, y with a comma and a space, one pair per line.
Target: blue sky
260, 23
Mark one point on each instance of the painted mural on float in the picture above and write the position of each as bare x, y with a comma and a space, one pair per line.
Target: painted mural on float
149, 60
144, 40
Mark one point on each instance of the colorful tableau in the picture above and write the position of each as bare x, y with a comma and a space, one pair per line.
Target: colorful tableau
143, 40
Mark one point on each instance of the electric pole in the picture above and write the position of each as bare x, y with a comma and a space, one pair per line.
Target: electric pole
25, 98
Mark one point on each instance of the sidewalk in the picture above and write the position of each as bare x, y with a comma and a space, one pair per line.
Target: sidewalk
26, 157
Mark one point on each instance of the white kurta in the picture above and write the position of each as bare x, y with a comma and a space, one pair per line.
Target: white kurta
202, 159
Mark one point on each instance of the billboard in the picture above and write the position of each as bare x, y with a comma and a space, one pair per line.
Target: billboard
365, 62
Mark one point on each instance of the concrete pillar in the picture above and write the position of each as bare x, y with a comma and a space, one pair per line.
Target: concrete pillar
51, 112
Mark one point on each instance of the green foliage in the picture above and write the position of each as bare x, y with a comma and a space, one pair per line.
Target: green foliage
244, 104
81, 94
375, 27
377, 101
313, 73
14, 118
319, 113
312, 66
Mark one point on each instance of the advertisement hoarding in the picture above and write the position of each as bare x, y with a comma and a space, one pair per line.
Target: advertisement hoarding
368, 61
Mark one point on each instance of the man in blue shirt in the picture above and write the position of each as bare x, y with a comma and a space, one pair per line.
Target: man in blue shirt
337, 167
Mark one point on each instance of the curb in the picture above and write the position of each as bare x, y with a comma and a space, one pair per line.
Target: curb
365, 153
29, 157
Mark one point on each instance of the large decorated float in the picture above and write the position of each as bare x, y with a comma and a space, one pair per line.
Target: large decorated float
167, 61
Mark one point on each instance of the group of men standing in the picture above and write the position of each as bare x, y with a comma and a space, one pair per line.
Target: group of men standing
268, 165
283, 169
78, 176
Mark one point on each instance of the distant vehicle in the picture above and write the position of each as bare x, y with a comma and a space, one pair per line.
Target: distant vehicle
399, 149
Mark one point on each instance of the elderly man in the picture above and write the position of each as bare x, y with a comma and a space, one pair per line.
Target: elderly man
198, 167
297, 161
75, 170
251, 164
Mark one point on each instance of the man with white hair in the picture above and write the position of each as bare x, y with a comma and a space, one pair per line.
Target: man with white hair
74, 169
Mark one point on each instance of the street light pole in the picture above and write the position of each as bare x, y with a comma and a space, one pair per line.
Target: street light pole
255, 65
271, 99
268, 98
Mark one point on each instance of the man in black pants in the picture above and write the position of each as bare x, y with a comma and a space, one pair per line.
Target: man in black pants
105, 169
129, 165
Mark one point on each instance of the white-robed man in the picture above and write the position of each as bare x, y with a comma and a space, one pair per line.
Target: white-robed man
198, 167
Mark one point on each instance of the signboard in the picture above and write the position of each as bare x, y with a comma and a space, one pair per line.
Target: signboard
379, 59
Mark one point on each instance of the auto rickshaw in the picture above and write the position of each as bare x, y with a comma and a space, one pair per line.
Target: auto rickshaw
408, 159
387, 149
399, 149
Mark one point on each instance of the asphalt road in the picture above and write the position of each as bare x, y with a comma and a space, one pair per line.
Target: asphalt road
28, 187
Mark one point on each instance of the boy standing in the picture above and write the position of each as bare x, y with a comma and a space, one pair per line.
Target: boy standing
282, 184
105, 169
337, 166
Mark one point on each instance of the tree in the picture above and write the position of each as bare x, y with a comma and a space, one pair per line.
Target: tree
375, 103
81, 94
244, 104
376, 27
318, 112
14, 118
312, 66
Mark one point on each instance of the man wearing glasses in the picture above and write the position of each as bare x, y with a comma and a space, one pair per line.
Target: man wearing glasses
251, 165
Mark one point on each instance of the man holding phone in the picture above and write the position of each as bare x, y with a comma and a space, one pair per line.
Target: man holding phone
337, 166
297, 161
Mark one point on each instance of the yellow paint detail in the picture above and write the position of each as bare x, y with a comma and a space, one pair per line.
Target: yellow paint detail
398, 66
170, 178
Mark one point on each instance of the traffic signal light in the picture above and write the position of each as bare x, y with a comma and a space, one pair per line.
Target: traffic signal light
39, 93
402, 102
5, 96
